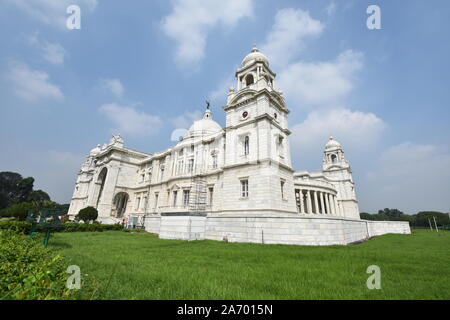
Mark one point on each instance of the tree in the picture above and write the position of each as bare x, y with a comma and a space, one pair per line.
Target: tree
25, 187
15, 188
38, 195
366, 216
421, 219
18, 211
9, 183
4, 200
87, 214
391, 213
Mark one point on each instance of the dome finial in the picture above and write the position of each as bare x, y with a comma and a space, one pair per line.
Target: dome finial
254, 49
332, 144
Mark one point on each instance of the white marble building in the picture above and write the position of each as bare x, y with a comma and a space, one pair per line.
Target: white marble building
234, 183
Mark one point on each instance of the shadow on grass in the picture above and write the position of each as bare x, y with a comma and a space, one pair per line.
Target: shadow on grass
59, 245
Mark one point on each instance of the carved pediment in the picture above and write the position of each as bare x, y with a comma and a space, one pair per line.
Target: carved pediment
242, 96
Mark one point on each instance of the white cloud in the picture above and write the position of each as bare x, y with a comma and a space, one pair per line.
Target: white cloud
190, 21
51, 52
321, 83
131, 121
356, 130
286, 39
51, 12
32, 85
115, 86
410, 177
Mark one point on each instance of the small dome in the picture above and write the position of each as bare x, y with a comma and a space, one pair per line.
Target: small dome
332, 144
254, 55
204, 126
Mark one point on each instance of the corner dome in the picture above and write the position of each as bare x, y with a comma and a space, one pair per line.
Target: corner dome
332, 144
205, 126
254, 55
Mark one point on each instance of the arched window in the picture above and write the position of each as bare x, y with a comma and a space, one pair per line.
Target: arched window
333, 158
249, 79
120, 202
246, 146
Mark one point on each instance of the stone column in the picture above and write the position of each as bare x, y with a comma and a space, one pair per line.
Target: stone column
316, 202
327, 203
322, 203
335, 206
332, 204
301, 200
308, 199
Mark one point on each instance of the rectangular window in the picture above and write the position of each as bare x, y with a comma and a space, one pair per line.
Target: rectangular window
246, 146
180, 167
186, 194
214, 164
282, 189
156, 199
162, 171
138, 203
175, 193
211, 195
244, 188
190, 165
145, 203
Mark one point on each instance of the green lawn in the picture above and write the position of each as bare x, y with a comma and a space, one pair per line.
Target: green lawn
142, 266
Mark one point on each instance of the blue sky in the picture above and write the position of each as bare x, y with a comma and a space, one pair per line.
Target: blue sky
384, 94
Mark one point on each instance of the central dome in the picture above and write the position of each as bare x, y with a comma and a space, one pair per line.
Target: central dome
254, 55
204, 126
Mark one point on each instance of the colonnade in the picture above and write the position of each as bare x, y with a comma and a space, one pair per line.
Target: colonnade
316, 202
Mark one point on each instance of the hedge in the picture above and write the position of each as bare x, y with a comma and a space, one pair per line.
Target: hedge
25, 227
30, 271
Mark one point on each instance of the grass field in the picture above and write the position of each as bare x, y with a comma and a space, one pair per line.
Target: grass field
142, 266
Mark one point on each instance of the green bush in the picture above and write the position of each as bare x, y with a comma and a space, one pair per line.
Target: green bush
82, 227
87, 214
25, 227
16, 226
30, 271
18, 211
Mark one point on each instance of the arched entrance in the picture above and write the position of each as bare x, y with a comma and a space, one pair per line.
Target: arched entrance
101, 181
120, 204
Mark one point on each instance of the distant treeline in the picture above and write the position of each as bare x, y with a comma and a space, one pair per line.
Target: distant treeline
420, 219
